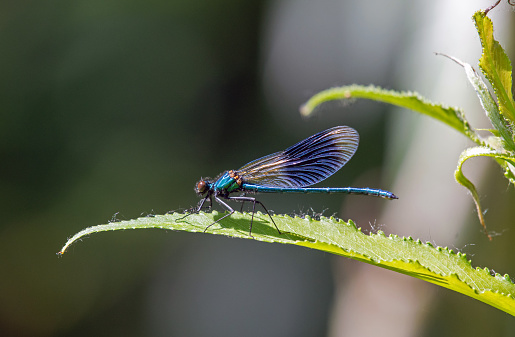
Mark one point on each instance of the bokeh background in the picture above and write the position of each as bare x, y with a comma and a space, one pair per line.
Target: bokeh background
113, 110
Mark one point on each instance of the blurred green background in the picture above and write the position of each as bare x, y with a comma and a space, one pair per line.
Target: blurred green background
112, 110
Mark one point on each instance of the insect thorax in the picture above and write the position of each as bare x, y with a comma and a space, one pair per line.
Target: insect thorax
229, 182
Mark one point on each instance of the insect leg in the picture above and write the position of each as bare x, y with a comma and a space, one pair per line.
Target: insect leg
229, 208
254, 202
200, 205
242, 203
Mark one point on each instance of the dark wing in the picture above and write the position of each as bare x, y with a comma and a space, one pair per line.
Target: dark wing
305, 163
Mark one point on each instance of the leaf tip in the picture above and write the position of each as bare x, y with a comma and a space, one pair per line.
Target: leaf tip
304, 110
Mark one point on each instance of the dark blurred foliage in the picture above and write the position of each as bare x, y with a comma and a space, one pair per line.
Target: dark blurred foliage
112, 110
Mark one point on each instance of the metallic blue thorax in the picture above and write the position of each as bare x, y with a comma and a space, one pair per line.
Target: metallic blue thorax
227, 183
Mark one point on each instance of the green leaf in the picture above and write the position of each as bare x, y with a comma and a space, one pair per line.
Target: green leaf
504, 159
496, 66
488, 103
440, 266
509, 171
453, 117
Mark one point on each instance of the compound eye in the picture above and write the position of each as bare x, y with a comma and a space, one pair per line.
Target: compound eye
201, 187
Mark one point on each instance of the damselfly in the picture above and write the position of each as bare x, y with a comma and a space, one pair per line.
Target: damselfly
306, 163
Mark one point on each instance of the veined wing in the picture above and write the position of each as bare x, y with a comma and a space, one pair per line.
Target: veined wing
305, 163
